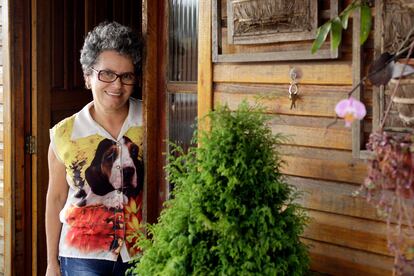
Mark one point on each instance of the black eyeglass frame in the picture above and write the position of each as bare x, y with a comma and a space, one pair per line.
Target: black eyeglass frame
117, 76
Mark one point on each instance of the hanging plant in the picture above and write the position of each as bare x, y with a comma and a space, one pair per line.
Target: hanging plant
389, 186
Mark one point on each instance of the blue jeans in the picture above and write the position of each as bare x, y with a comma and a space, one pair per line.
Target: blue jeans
92, 267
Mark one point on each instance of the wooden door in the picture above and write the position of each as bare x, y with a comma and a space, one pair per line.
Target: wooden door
17, 172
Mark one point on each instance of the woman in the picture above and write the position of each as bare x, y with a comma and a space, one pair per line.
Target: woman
93, 204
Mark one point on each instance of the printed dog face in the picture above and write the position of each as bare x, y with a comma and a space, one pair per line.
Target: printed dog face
115, 170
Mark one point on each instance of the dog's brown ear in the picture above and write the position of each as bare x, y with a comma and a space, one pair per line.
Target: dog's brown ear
98, 181
80, 193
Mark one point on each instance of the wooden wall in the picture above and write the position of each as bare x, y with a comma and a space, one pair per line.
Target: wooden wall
1, 145
345, 235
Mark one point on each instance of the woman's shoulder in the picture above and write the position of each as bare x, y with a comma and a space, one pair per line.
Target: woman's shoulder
65, 123
68, 122
64, 126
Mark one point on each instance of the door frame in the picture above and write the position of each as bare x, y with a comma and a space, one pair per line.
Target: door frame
17, 125
154, 87
41, 118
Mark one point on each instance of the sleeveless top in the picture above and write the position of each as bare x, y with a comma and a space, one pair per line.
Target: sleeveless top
102, 217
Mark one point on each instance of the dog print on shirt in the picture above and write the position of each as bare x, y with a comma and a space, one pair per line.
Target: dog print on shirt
116, 169
108, 211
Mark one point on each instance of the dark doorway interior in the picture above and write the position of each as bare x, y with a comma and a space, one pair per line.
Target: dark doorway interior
61, 28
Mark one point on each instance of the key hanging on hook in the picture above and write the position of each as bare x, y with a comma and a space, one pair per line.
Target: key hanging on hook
293, 88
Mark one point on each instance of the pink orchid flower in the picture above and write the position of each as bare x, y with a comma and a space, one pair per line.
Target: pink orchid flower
350, 109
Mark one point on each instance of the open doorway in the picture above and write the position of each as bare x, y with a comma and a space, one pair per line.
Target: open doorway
58, 79
44, 84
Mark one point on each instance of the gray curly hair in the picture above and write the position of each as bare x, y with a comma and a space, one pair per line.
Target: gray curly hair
110, 36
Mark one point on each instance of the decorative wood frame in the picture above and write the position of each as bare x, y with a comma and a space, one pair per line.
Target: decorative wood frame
306, 31
357, 65
380, 46
265, 56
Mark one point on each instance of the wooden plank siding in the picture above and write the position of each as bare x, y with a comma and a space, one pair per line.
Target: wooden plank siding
204, 78
345, 235
1, 146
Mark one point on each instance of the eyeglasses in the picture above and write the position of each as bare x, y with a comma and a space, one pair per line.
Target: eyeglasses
109, 76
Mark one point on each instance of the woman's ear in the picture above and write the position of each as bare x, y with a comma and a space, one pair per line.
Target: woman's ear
87, 79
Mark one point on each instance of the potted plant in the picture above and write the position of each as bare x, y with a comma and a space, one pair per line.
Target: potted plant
232, 212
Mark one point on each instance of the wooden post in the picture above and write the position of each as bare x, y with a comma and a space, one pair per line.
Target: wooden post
205, 67
357, 133
41, 118
8, 150
150, 92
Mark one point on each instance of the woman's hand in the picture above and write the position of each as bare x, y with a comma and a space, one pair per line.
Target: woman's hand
53, 269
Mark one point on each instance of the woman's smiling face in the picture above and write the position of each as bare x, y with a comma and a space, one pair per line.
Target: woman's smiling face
110, 97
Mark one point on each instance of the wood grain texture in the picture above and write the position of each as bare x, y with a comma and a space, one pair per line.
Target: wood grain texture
204, 80
2, 232
17, 192
348, 232
282, 48
41, 122
338, 260
347, 236
324, 164
357, 65
332, 73
314, 100
180, 87
6, 260
312, 132
257, 52
162, 105
1, 90
150, 86
333, 197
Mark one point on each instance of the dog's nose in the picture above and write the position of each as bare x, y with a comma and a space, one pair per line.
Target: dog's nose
128, 173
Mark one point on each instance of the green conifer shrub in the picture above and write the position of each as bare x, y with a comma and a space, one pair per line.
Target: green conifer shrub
232, 212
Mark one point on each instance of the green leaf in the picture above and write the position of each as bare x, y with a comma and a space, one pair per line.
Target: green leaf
336, 33
366, 22
321, 35
346, 13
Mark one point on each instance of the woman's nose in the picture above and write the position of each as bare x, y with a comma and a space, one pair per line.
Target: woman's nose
117, 83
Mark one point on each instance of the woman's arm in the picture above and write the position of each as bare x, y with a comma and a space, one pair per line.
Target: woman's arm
55, 200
